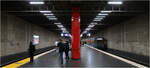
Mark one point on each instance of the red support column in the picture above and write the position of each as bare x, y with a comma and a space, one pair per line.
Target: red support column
75, 33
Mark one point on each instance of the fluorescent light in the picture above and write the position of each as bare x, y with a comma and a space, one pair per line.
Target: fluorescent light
45, 11
51, 16
85, 32
115, 3
91, 26
87, 28
102, 14
48, 14
63, 29
106, 11
98, 18
94, 23
60, 26
57, 23
36, 2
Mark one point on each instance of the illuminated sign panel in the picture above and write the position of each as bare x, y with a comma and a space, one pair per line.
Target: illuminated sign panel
35, 39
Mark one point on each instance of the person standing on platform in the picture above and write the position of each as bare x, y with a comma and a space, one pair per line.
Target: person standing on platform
67, 49
31, 51
61, 50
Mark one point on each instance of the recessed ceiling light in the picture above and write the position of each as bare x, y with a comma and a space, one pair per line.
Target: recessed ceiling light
91, 26
106, 11
36, 2
48, 14
84, 32
88, 29
102, 14
94, 23
60, 26
117, 3
52, 18
97, 20
57, 23
45, 11
63, 29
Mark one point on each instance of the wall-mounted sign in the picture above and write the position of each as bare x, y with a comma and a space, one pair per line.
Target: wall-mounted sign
35, 39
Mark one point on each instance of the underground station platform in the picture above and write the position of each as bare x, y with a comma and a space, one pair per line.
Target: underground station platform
74, 34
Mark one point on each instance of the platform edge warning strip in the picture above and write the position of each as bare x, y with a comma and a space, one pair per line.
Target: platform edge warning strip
119, 58
26, 60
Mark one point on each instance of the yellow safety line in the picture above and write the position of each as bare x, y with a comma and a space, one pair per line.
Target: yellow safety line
18, 63
21, 62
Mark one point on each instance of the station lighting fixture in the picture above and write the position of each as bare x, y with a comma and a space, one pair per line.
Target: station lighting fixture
106, 11
81, 35
45, 11
97, 20
90, 26
63, 29
57, 23
88, 29
48, 14
52, 18
36, 3
94, 23
60, 26
115, 3
62, 34
84, 32
89, 34
67, 35
102, 14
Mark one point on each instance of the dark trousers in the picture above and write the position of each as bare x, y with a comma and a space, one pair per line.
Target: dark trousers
31, 54
66, 53
61, 57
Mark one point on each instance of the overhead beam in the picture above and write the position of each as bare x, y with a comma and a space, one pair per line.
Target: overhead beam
77, 0
27, 11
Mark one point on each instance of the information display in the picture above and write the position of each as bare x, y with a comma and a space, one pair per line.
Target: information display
35, 39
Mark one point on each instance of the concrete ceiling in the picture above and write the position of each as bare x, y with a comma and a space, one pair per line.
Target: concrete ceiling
63, 9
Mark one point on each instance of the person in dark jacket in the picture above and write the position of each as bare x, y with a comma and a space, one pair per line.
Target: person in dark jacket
61, 50
31, 51
67, 49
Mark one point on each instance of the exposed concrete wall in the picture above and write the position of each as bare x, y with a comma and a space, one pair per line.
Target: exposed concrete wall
0, 33
130, 36
17, 33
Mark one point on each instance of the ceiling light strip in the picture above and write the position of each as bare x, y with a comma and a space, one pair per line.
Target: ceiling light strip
36, 3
